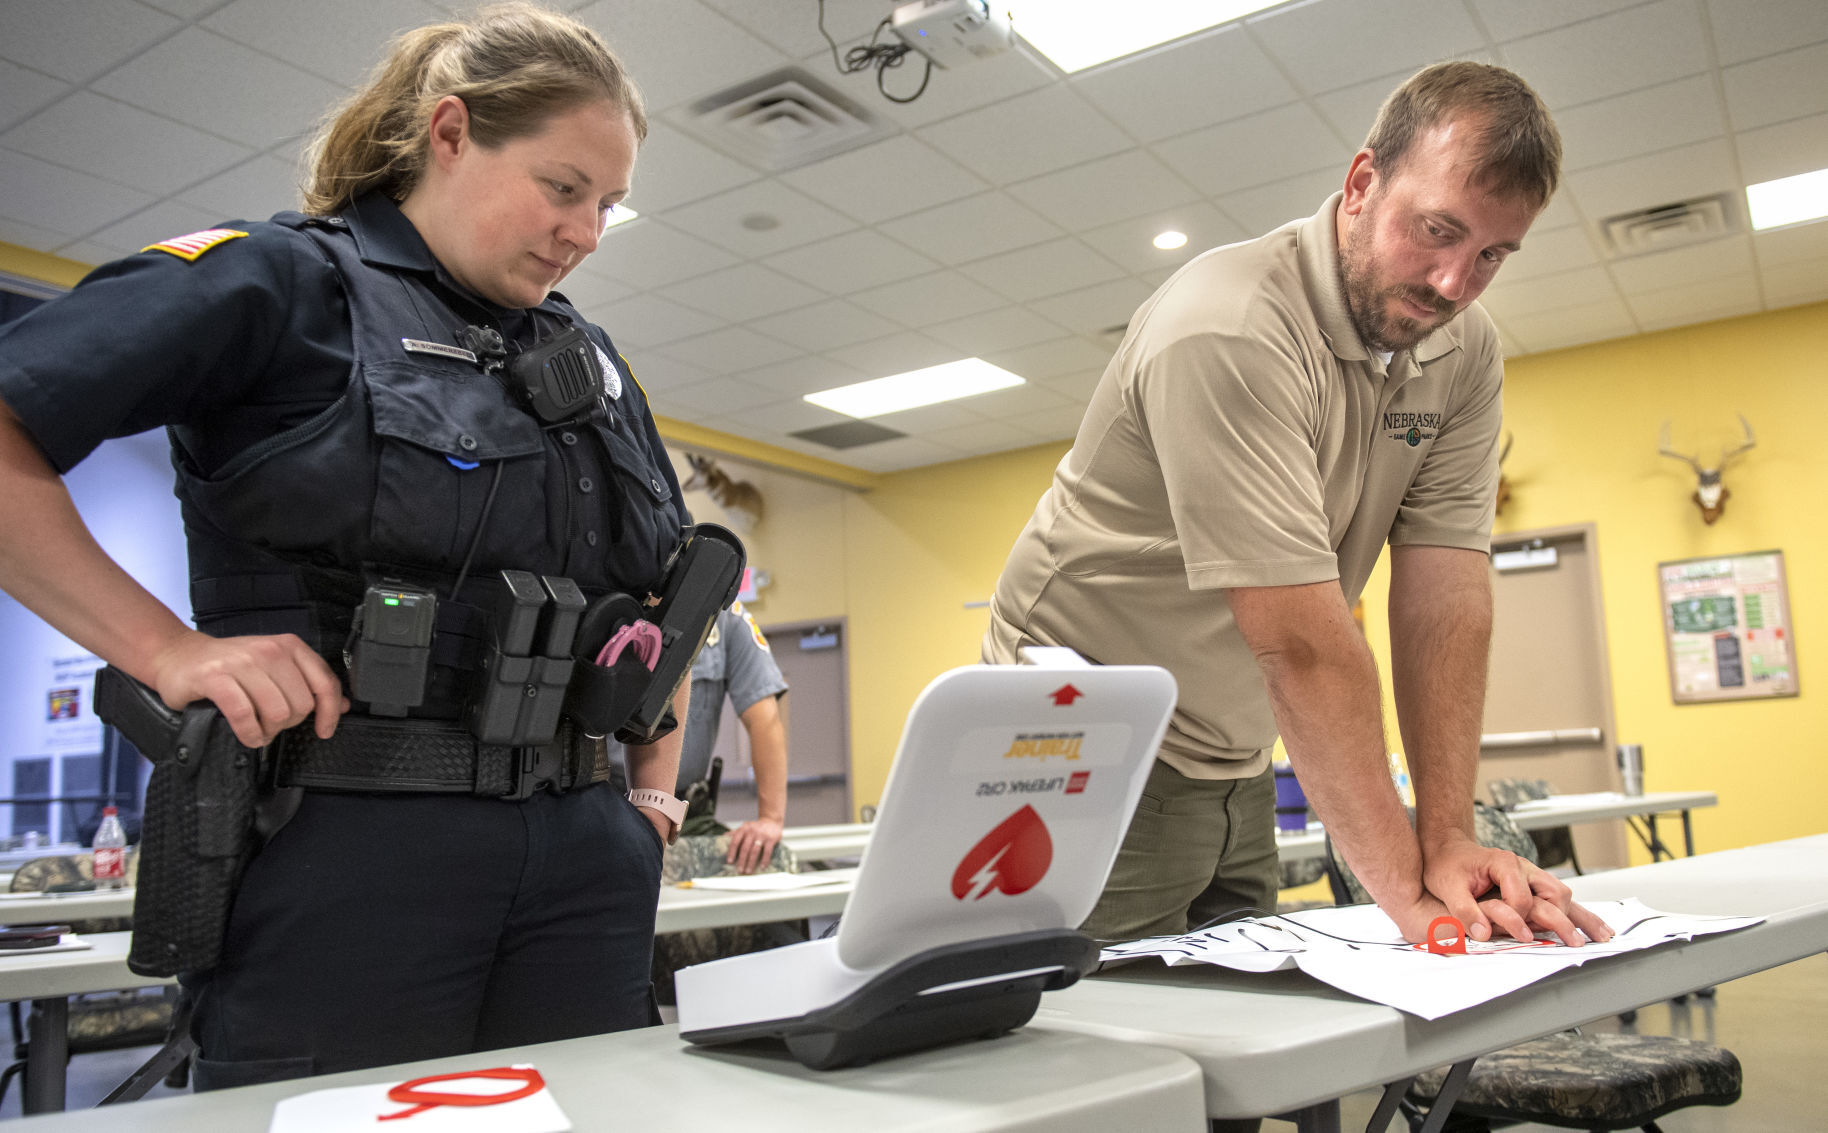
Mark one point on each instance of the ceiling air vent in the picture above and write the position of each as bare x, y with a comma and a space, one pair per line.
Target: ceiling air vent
848, 434
1669, 226
780, 121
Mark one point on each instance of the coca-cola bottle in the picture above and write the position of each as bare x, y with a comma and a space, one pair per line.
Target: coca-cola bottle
110, 851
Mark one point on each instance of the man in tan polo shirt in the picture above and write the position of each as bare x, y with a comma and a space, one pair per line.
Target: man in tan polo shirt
1278, 411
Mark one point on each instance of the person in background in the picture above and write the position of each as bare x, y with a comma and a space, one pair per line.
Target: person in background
1277, 412
335, 416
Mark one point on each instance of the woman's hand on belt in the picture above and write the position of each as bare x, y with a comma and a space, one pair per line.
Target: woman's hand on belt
261, 685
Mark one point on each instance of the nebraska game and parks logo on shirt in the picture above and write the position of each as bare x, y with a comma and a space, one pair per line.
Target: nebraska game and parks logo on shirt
1013, 858
1412, 428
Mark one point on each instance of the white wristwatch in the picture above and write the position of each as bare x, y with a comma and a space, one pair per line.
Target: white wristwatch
670, 808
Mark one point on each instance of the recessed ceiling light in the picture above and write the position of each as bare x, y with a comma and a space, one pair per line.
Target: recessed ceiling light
618, 214
948, 382
1789, 200
1077, 34
1170, 240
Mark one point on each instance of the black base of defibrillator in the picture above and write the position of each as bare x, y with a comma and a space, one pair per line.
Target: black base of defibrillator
977, 990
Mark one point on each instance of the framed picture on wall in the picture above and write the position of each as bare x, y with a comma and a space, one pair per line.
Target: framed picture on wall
1726, 622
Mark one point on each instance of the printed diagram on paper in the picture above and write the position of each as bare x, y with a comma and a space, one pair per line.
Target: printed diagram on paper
1358, 950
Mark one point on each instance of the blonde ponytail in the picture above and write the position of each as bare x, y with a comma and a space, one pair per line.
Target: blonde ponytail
514, 65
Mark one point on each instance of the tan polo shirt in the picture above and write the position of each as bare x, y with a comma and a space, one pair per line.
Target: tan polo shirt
1244, 436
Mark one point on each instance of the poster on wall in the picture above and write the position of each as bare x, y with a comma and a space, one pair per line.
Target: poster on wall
70, 724
1726, 620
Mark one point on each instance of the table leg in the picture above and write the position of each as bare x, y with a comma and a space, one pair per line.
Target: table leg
46, 1052
1387, 1105
1688, 834
1444, 1101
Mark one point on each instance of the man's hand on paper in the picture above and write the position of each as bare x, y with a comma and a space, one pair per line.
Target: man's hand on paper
1463, 873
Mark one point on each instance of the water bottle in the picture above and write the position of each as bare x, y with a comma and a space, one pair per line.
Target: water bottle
110, 851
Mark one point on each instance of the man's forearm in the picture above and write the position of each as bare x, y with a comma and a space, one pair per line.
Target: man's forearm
1440, 639
768, 756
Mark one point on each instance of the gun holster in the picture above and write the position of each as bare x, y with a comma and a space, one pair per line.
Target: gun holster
198, 830
627, 698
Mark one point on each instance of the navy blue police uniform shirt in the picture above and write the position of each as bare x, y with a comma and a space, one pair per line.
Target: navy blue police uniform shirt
247, 340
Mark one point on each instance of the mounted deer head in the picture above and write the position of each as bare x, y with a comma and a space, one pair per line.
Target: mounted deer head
1504, 481
741, 501
1710, 493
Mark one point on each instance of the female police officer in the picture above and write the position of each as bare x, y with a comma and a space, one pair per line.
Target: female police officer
341, 410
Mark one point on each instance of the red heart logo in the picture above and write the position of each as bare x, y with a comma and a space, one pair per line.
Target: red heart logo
1013, 857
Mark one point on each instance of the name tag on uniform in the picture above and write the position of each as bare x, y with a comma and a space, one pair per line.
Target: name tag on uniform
420, 346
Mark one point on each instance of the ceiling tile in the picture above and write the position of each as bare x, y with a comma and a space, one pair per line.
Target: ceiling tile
587, 291
896, 354
1642, 47
720, 219
1264, 147
1042, 269
887, 179
1056, 126
1018, 402
1222, 74
1779, 88
1131, 242
1627, 125
1077, 386
1507, 19
679, 50
184, 9
675, 168
1786, 285
1719, 298
1051, 359
160, 222
718, 395
895, 455
1270, 206
790, 416
272, 100
1659, 179
253, 190
851, 262
1110, 188
985, 82
1545, 253
1747, 29
123, 143
1783, 150
87, 252
1091, 310
793, 25
1550, 292
31, 236
826, 326
337, 39
50, 197
1560, 213
1715, 259
731, 350
971, 229
1060, 424
1799, 244
931, 418
79, 39
647, 253
656, 372
799, 376
743, 292
1571, 326
930, 299
987, 331
1510, 345
646, 321
23, 91
1335, 43
982, 438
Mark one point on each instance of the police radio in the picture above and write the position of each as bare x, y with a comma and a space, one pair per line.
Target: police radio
557, 380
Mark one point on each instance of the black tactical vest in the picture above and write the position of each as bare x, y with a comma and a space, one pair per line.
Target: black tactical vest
391, 480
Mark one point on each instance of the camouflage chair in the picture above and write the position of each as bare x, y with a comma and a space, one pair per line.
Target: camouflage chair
1554, 846
702, 855
1575, 1081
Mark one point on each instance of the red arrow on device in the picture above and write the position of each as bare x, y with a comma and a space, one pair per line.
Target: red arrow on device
1065, 695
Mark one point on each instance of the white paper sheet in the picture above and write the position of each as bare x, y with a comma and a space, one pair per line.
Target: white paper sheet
1358, 950
361, 1107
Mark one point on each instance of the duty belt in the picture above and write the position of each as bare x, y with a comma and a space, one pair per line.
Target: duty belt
369, 753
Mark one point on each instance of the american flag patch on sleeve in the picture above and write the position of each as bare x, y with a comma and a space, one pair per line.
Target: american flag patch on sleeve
194, 245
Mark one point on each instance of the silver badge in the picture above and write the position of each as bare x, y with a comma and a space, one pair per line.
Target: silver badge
612, 378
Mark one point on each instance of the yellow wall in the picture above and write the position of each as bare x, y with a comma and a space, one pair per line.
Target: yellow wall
902, 560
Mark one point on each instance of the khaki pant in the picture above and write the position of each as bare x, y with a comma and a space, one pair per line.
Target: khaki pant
1197, 850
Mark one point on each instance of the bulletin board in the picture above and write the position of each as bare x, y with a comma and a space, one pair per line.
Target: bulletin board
1726, 622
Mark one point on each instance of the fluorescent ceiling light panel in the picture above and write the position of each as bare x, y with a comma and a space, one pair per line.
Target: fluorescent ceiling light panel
1789, 200
1077, 34
967, 377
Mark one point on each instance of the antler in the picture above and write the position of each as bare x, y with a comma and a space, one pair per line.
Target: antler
1750, 440
1664, 449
